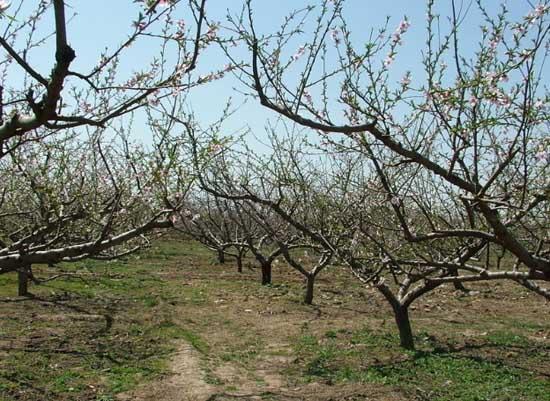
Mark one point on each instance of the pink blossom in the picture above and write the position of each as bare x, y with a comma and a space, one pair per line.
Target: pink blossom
388, 60
299, 53
335, 36
404, 25
307, 97
4, 5
401, 29
85, 107
542, 155
153, 100
229, 67
406, 80
139, 25
540, 10
212, 32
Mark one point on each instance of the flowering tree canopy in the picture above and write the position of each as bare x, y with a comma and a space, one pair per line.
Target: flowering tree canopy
452, 167
74, 184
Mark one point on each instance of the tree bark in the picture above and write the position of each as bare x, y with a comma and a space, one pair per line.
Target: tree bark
240, 253
457, 284
221, 256
266, 274
23, 281
239, 263
401, 314
310, 280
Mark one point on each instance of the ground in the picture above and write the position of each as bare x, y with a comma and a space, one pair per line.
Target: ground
173, 325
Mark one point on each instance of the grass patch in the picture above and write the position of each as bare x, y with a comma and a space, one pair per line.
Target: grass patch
109, 327
433, 373
88, 333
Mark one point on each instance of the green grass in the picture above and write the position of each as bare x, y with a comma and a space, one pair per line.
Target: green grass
103, 344
113, 326
433, 373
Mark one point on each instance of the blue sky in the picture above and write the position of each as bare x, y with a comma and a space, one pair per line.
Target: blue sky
100, 24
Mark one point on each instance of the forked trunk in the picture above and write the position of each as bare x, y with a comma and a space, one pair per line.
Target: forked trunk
401, 315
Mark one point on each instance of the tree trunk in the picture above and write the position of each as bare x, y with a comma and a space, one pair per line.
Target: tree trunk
310, 280
401, 314
457, 284
239, 263
23, 281
240, 253
221, 256
266, 274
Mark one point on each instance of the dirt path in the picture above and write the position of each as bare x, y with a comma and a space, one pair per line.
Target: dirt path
185, 384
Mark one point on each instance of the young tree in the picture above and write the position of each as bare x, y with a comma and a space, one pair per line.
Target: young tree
212, 222
285, 195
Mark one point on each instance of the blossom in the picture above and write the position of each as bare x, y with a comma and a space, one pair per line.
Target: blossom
153, 100
4, 5
335, 36
406, 80
536, 13
139, 25
212, 32
180, 32
85, 107
229, 67
401, 29
299, 53
388, 60
307, 97
501, 100
542, 155
215, 148
404, 25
